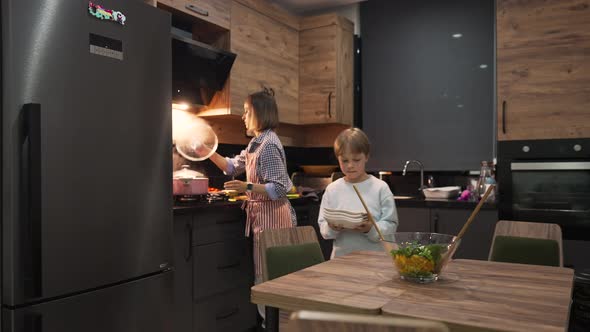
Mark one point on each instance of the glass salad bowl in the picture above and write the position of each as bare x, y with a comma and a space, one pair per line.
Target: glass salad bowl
420, 257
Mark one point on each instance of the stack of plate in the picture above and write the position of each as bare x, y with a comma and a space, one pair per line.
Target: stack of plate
344, 218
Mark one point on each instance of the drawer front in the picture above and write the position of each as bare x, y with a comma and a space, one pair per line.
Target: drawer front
222, 266
222, 225
213, 11
231, 312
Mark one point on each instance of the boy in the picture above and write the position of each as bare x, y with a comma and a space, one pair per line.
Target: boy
352, 149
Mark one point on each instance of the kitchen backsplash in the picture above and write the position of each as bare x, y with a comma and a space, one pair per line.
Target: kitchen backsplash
400, 185
295, 157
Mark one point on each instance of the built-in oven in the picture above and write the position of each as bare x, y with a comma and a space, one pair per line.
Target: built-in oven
546, 181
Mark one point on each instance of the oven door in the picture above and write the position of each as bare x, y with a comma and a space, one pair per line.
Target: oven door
551, 191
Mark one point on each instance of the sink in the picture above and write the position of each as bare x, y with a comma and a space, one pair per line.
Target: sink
404, 197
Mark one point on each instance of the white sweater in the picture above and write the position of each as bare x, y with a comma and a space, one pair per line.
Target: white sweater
341, 195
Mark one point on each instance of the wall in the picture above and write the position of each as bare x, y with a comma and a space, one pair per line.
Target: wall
426, 94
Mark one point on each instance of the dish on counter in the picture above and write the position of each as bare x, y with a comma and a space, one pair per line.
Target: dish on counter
442, 192
319, 169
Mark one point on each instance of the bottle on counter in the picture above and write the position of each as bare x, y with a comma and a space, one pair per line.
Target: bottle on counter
485, 180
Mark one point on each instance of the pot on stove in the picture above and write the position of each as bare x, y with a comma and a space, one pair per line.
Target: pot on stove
188, 182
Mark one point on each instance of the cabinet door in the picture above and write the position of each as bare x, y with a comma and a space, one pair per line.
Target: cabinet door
326, 69
218, 225
268, 56
542, 68
213, 11
183, 274
222, 266
317, 74
413, 220
231, 311
345, 74
476, 242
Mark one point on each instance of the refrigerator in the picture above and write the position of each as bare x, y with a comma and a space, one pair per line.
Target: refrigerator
86, 166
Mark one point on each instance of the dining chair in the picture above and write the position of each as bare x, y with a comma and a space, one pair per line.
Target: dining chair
286, 250
304, 321
527, 243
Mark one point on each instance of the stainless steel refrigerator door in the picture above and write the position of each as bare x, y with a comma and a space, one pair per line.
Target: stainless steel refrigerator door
138, 306
87, 182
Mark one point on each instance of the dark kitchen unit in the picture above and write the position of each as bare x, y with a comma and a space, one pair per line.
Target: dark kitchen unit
86, 190
548, 181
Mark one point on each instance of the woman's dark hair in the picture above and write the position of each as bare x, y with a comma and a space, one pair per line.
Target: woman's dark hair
265, 109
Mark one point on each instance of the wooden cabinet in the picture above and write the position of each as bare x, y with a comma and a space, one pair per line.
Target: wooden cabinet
268, 56
213, 271
477, 241
212, 11
543, 72
326, 70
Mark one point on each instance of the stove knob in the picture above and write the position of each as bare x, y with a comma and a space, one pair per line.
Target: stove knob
577, 148
526, 148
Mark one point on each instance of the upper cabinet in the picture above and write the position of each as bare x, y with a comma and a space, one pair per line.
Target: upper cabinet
268, 56
543, 72
326, 70
212, 11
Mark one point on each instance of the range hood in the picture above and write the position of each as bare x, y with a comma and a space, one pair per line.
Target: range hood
198, 70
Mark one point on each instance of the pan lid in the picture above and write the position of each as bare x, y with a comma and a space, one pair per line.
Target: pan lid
186, 173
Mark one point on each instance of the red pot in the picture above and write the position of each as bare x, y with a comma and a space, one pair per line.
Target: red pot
189, 182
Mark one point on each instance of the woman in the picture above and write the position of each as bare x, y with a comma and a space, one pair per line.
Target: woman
265, 165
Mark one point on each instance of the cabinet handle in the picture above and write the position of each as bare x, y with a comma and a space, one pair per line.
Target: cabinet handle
197, 10
228, 266
232, 312
503, 116
189, 250
330, 104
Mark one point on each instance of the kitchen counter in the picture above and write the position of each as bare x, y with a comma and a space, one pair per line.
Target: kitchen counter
194, 207
414, 202
453, 203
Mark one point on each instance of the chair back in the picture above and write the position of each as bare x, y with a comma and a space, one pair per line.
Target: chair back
315, 321
527, 242
290, 249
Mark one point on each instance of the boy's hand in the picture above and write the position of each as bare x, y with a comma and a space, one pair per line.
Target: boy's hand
364, 227
336, 227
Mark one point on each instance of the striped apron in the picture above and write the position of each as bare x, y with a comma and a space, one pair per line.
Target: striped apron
263, 213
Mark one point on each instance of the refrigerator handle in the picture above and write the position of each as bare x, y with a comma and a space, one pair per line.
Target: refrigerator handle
30, 199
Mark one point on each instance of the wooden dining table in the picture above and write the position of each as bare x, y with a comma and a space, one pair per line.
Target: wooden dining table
470, 295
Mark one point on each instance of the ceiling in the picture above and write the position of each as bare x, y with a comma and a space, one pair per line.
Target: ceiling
306, 6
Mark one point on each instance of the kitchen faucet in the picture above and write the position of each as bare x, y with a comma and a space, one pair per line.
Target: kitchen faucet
422, 186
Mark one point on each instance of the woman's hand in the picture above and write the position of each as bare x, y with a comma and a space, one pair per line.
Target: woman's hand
364, 227
201, 150
237, 185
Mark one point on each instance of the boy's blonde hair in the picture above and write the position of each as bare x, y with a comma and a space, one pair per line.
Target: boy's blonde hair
266, 111
353, 140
